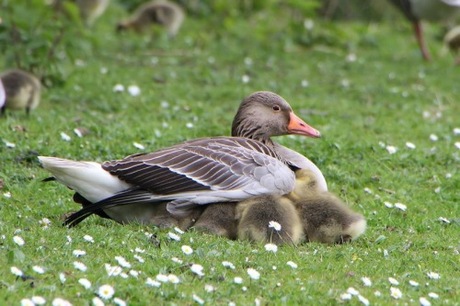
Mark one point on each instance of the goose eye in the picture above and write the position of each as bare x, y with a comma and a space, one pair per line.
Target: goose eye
276, 108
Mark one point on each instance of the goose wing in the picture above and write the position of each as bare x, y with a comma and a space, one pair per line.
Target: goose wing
222, 163
196, 172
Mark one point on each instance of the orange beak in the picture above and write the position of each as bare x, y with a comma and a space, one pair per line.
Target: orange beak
299, 127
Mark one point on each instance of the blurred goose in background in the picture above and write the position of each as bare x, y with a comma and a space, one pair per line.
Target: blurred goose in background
269, 218
325, 217
22, 90
196, 172
429, 10
452, 40
90, 10
161, 12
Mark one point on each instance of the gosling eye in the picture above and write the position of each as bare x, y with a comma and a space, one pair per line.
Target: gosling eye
276, 108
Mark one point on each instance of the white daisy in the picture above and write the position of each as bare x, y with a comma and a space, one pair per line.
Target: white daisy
253, 273
391, 149
424, 302
27, 302
65, 136
38, 269
38, 300
238, 280
78, 253
178, 230
88, 238
16, 271
106, 292
345, 296
228, 264
119, 302
197, 299
352, 291
138, 146
410, 145
433, 295
187, 249
134, 273
275, 225
292, 264
197, 269
209, 288
177, 260
366, 281
18, 240
60, 302
85, 283
433, 275
413, 283
395, 293
401, 206
162, 278
123, 262
270, 247
152, 283
173, 279
97, 301
363, 300
134, 90
118, 88
173, 236
434, 137
393, 281
62, 277
79, 266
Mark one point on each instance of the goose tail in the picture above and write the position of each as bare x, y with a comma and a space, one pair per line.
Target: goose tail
86, 178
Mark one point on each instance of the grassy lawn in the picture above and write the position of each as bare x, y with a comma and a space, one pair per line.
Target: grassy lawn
363, 85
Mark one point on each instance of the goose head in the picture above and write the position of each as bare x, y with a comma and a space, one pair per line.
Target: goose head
264, 114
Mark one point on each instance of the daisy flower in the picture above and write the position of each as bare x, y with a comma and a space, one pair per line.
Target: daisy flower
253, 273
187, 249
106, 292
197, 269
275, 225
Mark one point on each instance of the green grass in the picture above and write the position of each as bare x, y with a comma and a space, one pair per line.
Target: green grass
200, 74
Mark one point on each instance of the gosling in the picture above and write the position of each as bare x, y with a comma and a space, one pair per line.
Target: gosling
22, 90
271, 219
161, 12
218, 219
324, 216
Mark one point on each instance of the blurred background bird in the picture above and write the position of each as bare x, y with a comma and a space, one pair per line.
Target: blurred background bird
160, 12
22, 90
90, 10
452, 40
442, 11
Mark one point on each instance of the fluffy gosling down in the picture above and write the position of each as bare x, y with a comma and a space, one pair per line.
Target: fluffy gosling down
271, 219
161, 12
22, 90
218, 219
324, 216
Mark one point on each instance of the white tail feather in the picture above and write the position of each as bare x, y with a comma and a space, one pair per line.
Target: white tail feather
87, 178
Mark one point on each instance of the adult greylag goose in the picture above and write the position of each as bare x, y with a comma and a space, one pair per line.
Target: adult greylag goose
161, 12
325, 218
22, 90
269, 218
429, 10
196, 172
